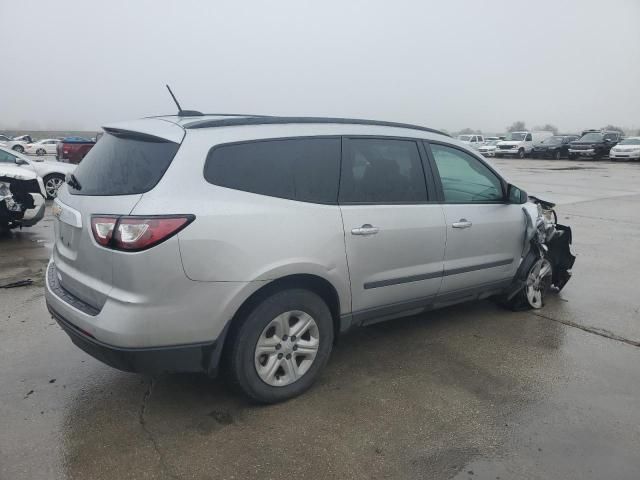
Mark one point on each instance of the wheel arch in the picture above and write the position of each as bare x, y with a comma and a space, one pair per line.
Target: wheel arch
314, 283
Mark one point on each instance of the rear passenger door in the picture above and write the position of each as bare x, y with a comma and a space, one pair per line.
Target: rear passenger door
394, 234
485, 234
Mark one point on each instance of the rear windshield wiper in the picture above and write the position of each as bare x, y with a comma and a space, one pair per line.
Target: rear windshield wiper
73, 182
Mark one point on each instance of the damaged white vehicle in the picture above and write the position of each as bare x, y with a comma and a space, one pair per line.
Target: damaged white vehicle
22, 194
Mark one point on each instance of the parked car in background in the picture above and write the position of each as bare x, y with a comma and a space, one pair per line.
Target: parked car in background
17, 143
265, 238
21, 193
46, 146
489, 147
24, 138
556, 147
473, 141
594, 145
520, 144
53, 173
73, 149
626, 149
4, 139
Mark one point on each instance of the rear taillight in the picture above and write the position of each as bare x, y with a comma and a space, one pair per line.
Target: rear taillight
131, 233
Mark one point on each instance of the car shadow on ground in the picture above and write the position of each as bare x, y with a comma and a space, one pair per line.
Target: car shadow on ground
404, 396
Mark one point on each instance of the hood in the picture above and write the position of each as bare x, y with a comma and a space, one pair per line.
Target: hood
511, 143
17, 172
487, 147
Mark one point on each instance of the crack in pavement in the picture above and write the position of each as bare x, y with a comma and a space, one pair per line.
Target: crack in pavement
152, 439
596, 331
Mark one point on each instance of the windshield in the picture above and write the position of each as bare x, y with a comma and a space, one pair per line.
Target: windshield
592, 137
630, 141
464, 138
515, 136
553, 141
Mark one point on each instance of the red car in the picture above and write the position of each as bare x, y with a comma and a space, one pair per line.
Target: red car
73, 149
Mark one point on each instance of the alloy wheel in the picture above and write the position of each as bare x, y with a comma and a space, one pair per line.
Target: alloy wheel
52, 185
538, 281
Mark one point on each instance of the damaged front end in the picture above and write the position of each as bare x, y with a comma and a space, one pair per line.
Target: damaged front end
546, 260
20, 202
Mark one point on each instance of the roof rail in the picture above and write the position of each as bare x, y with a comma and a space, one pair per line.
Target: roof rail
269, 120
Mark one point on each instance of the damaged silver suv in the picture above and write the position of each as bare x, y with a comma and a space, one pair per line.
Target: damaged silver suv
192, 242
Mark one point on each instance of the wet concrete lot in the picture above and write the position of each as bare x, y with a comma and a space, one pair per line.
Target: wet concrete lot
472, 391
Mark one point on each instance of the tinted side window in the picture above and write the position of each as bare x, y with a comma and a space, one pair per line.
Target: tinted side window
382, 171
529, 138
304, 169
464, 178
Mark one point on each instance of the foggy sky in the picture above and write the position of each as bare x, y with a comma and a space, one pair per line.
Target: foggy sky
444, 64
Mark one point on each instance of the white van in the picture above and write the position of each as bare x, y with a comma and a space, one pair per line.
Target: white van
520, 144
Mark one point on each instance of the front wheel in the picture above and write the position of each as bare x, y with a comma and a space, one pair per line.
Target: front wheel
18, 148
281, 345
52, 183
557, 155
538, 282
521, 153
40, 152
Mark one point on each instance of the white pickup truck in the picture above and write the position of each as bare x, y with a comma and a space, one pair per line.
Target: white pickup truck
520, 144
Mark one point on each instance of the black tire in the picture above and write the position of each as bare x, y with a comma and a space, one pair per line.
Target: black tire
18, 148
52, 176
241, 352
40, 152
557, 155
521, 153
573, 156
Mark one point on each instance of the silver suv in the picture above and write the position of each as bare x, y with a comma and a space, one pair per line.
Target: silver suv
188, 242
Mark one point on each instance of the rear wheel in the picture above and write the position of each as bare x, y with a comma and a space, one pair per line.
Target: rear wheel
18, 148
40, 152
281, 345
52, 183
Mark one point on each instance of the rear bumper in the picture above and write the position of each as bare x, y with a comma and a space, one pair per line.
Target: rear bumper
203, 357
108, 334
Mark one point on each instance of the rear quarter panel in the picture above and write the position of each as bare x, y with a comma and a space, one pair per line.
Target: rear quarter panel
244, 237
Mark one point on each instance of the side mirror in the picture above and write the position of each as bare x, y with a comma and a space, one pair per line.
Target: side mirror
20, 161
515, 195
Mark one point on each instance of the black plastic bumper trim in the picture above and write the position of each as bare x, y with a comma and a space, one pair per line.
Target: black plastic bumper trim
198, 357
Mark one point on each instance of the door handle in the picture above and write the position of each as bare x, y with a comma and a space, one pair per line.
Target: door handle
462, 223
366, 229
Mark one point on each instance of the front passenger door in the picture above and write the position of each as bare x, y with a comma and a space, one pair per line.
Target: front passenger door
485, 234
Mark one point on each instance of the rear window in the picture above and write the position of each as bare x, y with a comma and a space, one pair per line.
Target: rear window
123, 164
303, 169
